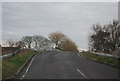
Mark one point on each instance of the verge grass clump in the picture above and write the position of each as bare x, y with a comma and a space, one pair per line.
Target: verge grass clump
104, 59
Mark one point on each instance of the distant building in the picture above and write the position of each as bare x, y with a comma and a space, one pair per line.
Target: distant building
82, 49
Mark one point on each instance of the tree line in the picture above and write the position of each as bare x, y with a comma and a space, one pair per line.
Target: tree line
57, 39
105, 38
27, 42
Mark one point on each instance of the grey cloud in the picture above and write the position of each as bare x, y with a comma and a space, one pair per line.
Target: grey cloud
73, 19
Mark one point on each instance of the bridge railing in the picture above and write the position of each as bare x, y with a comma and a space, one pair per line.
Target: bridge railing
107, 55
15, 52
10, 54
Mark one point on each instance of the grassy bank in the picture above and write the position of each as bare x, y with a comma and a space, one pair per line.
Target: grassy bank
104, 59
11, 65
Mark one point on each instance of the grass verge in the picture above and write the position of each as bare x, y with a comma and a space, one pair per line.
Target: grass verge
11, 65
108, 60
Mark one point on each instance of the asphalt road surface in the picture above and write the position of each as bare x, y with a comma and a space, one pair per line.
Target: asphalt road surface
67, 65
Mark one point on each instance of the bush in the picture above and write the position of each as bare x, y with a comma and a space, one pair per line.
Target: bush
68, 45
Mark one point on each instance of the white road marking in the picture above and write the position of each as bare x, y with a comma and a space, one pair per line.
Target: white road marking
28, 68
81, 73
68, 62
78, 54
76, 69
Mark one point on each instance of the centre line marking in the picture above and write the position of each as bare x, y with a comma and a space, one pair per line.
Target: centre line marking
81, 73
68, 62
78, 54
76, 69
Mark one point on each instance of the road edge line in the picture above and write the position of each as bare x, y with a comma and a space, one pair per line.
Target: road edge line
21, 68
31, 61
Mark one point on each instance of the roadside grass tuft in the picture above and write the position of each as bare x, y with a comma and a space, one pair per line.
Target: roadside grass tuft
104, 59
11, 65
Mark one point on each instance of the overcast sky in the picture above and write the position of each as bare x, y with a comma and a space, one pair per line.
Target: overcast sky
74, 19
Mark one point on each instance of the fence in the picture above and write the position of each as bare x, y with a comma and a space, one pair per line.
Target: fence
10, 54
15, 52
7, 50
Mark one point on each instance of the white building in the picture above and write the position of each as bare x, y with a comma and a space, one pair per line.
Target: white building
82, 49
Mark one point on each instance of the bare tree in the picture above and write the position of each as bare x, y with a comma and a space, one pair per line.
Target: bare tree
27, 40
10, 42
39, 41
36, 40
20, 44
63, 42
68, 45
57, 38
114, 30
106, 39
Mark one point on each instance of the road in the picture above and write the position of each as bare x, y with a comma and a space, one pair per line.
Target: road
67, 65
